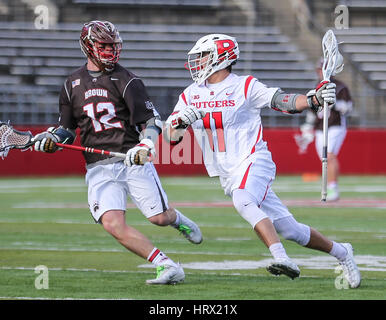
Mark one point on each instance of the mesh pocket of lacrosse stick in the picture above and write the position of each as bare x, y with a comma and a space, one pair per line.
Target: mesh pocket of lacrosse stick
13, 139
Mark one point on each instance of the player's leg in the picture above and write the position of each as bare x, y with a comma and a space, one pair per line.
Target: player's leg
173, 217
290, 229
107, 201
311, 238
246, 205
336, 136
248, 188
168, 272
114, 222
147, 193
332, 177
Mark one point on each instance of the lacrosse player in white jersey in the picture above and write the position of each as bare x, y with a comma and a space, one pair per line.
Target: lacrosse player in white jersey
224, 112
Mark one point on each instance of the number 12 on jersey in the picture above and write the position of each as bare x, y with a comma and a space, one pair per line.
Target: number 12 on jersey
218, 125
106, 111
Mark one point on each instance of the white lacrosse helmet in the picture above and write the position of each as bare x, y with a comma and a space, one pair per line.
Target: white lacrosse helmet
222, 51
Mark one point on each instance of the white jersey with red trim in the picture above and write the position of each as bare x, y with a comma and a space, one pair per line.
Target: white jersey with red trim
231, 130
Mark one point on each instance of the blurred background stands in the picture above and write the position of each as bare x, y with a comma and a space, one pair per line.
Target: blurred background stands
157, 36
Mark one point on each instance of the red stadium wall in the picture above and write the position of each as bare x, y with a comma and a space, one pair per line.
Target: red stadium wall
363, 152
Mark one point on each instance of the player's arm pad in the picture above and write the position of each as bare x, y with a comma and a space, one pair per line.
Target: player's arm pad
66, 136
284, 102
151, 129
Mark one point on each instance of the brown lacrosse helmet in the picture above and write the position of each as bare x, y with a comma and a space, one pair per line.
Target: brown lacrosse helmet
103, 32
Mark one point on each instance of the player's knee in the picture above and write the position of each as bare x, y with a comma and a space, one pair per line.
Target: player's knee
112, 222
242, 198
299, 233
246, 206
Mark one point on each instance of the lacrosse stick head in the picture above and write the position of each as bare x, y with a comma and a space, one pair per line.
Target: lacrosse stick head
13, 139
333, 60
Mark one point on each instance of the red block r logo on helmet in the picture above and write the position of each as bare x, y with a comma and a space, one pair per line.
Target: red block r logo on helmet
225, 50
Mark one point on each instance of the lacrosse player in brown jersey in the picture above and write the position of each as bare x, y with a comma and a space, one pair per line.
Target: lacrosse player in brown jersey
111, 107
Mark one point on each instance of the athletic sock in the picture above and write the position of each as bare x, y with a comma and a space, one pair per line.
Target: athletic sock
176, 223
157, 257
333, 185
278, 251
338, 251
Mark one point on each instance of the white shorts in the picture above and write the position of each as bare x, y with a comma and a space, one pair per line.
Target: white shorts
256, 175
336, 136
109, 185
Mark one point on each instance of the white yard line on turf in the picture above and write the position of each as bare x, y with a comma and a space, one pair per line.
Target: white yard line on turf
144, 271
325, 262
344, 203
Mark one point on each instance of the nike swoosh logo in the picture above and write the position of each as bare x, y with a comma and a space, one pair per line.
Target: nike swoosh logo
151, 208
114, 79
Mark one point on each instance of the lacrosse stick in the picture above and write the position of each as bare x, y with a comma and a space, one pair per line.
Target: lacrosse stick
330, 68
14, 139
100, 151
91, 150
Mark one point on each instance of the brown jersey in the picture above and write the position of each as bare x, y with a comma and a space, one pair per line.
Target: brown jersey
107, 109
335, 118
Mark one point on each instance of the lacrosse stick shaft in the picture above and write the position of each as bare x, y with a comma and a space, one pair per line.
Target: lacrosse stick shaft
324, 151
330, 53
92, 150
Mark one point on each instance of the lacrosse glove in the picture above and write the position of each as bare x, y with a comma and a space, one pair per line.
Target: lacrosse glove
304, 139
46, 141
324, 92
186, 117
143, 152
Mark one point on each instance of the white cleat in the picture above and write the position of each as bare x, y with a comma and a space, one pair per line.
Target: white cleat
190, 230
284, 266
350, 269
332, 195
168, 274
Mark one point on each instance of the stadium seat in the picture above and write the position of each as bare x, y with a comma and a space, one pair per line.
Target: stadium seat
366, 47
156, 53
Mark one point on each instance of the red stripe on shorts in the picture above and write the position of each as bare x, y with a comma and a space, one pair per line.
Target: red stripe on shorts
243, 182
257, 140
265, 194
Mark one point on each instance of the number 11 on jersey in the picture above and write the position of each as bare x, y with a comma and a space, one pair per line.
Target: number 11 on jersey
218, 127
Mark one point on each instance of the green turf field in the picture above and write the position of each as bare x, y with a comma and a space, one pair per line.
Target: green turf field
46, 222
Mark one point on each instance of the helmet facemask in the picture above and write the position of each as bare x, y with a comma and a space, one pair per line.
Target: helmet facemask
200, 65
94, 39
